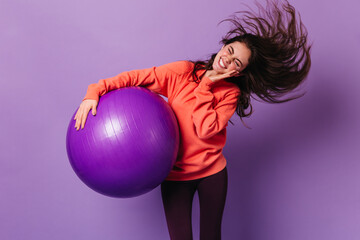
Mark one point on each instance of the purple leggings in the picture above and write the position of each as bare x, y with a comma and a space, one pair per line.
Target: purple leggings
178, 196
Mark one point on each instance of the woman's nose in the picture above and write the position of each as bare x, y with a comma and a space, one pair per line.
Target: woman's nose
227, 59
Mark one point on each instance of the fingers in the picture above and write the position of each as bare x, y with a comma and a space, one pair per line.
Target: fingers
222, 76
80, 118
82, 113
94, 109
76, 118
83, 118
233, 73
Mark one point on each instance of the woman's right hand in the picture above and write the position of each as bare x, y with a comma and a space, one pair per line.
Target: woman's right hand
83, 111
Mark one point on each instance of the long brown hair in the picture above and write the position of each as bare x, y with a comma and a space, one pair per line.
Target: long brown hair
280, 54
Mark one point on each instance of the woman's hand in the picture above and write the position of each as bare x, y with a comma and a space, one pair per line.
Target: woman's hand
83, 111
219, 76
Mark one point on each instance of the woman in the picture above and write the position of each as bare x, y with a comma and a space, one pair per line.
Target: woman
266, 55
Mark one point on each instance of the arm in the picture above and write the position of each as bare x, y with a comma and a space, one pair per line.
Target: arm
155, 79
208, 119
158, 79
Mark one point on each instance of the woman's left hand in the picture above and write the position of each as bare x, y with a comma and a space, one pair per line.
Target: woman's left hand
218, 77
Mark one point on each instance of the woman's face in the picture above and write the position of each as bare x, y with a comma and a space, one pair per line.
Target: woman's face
234, 56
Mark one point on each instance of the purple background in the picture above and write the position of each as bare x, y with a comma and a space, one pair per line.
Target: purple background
294, 176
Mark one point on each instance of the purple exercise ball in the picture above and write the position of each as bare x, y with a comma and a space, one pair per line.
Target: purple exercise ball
129, 147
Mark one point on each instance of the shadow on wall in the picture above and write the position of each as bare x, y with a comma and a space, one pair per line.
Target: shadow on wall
263, 153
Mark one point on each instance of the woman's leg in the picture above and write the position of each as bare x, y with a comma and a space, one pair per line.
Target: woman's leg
212, 195
177, 199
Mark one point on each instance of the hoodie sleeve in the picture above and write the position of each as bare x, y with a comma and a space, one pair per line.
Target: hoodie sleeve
209, 119
158, 79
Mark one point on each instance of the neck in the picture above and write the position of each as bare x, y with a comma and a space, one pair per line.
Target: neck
209, 73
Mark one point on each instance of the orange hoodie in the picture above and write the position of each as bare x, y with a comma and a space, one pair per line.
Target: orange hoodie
202, 110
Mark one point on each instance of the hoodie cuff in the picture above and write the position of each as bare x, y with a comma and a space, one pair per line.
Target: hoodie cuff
206, 83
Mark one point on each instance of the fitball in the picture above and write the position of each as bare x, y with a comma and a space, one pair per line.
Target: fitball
129, 147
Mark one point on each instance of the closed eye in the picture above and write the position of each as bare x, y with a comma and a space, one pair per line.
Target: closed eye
231, 50
237, 61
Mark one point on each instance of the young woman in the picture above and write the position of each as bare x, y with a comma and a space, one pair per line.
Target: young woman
265, 54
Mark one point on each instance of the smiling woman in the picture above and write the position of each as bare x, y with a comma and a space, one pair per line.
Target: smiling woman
279, 61
232, 58
266, 55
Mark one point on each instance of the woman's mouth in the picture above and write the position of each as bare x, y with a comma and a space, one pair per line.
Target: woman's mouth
221, 63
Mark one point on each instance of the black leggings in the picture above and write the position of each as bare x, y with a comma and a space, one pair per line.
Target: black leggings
178, 197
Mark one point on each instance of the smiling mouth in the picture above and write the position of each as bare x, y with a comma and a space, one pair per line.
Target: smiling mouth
221, 63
